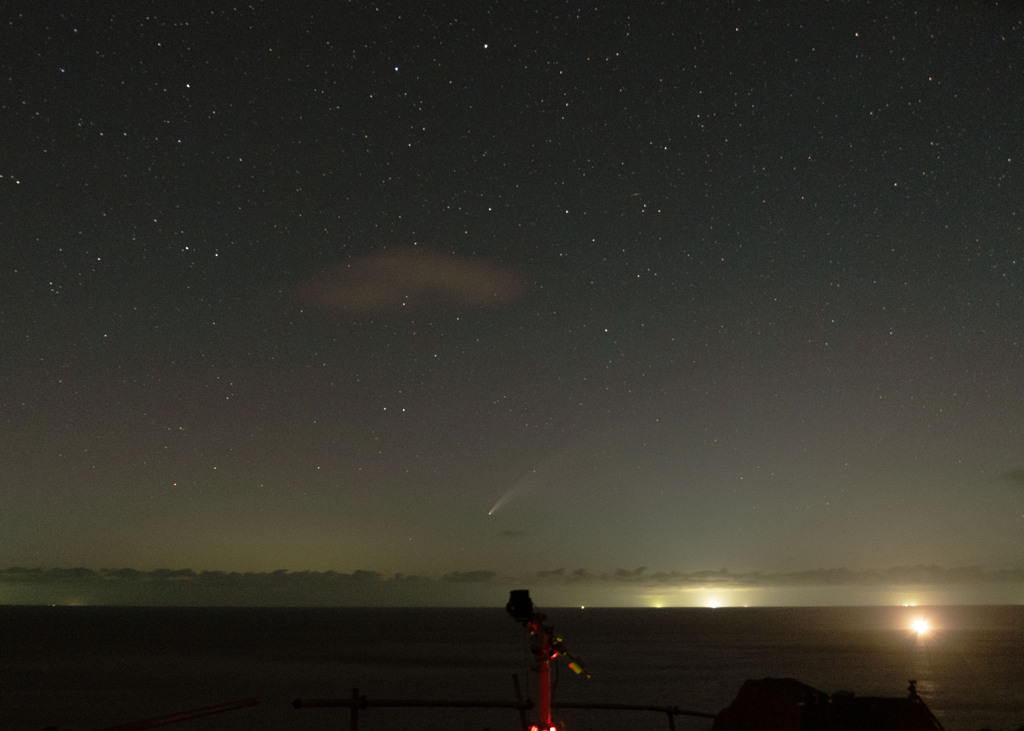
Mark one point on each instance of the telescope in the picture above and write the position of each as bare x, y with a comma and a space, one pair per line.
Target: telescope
546, 646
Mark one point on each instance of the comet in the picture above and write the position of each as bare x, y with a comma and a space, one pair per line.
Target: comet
558, 465
509, 494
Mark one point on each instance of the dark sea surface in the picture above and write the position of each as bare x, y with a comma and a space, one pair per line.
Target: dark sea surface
90, 667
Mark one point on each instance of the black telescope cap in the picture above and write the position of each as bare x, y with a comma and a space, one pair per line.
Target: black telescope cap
520, 606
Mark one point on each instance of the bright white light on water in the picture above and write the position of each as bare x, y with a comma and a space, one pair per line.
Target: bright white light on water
920, 626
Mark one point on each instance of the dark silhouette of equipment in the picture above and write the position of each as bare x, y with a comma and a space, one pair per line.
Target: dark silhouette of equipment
546, 646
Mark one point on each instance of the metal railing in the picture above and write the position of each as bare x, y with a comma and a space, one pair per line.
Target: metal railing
180, 716
357, 702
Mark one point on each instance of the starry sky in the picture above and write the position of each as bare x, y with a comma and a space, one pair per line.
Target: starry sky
456, 286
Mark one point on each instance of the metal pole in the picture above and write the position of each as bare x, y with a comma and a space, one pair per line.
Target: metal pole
519, 701
544, 676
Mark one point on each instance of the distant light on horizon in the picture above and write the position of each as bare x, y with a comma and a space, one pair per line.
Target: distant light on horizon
707, 597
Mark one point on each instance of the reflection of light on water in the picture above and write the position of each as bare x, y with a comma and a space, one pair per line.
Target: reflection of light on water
925, 630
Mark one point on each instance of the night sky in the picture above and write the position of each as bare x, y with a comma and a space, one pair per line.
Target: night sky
456, 286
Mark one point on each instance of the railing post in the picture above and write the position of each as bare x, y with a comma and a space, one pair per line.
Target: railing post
523, 723
353, 713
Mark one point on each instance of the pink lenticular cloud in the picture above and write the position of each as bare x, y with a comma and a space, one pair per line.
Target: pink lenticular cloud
412, 281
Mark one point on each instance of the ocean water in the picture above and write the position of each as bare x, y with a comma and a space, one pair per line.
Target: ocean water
79, 668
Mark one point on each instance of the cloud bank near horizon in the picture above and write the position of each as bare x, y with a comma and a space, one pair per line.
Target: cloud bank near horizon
558, 587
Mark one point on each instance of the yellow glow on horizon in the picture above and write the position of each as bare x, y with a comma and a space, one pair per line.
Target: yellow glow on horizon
708, 597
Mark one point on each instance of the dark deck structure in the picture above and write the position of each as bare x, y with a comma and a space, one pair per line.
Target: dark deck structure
784, 704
